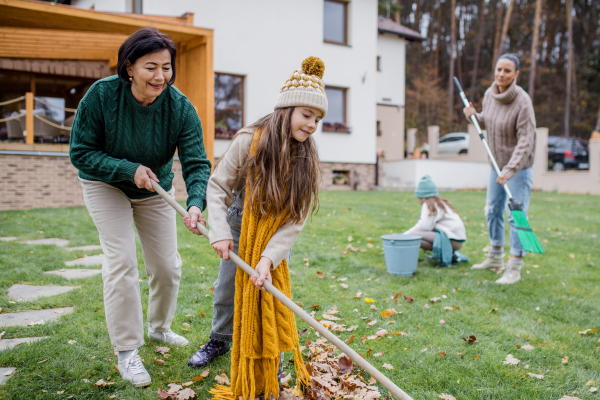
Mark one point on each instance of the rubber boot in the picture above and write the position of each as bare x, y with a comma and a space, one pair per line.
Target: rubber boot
492, 261
512, 273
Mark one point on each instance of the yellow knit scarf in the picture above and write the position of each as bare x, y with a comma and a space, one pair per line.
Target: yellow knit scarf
263, 327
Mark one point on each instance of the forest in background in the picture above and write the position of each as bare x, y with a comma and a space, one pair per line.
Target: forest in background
464, 37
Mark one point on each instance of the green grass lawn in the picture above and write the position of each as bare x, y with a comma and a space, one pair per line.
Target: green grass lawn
558, 296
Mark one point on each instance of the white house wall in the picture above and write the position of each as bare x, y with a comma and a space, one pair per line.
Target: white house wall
268, 39
391, 78
104, 5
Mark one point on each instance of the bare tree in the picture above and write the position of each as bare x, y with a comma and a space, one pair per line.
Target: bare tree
452, 58
569, 7
534, 46
505, 27
478, 43
597, 128
499, 13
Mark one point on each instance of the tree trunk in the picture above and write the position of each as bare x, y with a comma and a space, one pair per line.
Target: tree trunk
597, 128
419, 46
452, 59
478, 43
569, 7
438, 40
431, 32
505, 27
499, 13
534, 47
397, 13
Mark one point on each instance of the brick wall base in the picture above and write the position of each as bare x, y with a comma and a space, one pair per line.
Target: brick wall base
32, 181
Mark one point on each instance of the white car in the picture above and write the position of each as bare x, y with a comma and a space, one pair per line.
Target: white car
451, 144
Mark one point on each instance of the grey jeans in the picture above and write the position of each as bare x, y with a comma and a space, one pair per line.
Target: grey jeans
224, 286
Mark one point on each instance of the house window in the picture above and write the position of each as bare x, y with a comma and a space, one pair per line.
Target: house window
335, 22
378, 128
229, 105
136, 6
378, 63
335, 120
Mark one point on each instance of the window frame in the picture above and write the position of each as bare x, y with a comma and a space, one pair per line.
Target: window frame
345, 42
378, 63
345, 128
243, 95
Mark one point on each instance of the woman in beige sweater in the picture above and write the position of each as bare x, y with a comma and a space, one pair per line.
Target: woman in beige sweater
509, 119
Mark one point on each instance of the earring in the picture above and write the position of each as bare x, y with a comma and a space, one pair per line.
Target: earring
130, 79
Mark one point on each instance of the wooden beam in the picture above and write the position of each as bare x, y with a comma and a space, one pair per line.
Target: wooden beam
190, 44
29, 117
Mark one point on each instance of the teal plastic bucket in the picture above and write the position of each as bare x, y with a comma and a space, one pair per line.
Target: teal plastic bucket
401, 253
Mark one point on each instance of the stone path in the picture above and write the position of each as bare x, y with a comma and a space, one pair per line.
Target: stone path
54, 241
30, 292
71, 274
6, 344
85, 248
5, 374
87, 261
30, 318
8, 239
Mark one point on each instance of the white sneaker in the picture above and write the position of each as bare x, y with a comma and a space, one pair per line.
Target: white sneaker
169, 337
133, 370
511, 275
492, 261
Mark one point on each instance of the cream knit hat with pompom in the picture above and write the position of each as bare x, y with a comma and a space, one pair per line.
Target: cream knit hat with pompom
305, 87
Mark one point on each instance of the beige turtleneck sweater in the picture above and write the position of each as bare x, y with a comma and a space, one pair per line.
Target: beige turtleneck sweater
510, 123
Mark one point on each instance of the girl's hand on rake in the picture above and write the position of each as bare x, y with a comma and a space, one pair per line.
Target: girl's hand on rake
195, 218
264, 273
501, 180
223, 247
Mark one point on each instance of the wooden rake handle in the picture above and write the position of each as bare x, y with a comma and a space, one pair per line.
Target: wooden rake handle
303, 315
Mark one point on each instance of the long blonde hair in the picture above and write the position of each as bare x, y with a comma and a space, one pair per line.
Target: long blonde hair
438, 201
283, 174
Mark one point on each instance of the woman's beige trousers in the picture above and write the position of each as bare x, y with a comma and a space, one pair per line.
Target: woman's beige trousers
115, 215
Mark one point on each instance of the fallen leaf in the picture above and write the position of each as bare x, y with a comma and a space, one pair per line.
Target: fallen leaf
164, 395
212, 290
72, 341
527, 347
203, 375
569, 398
186, 324
442, 321
303, 332
201, 313
435, 299
471, 339
3, 332
409, 299
593, 389
331, 317
448, 308
445, 396
61, 391
357, 296
345, 364
510, 360
388, 313
372, 323
300, 303
342, 279
387, 366
395, 298
186, 393
369, 352
101, 383
373, 381
535, 375
565, 360
349, 340
352, 328
590, 383
373, 307
320, 274
162, 350
157, 360
222, 380
174, 388
572, 255
378, 354
315, 306
493, 310
442, 353
349, 238
369, 300
190, 383
588, 330
476, 356
344, 285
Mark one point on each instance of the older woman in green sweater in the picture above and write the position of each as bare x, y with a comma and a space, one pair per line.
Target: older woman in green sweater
125, 133
509, 119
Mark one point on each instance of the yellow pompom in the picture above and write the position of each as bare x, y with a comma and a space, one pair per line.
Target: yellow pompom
313, 66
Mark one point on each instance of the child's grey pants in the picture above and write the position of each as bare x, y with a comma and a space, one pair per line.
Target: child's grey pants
224, 286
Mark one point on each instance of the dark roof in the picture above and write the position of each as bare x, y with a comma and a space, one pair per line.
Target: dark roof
386, 25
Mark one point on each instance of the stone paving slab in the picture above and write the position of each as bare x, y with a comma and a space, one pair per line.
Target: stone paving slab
75, 273
5, 374
87, 261
6, 344
8, 239
30, 292
54, 241
85, 248
33, 317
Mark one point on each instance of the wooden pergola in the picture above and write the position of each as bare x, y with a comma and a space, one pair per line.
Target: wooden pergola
40, 30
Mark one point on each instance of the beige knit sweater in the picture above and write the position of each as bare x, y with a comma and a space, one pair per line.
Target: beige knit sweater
510, 123
219, 194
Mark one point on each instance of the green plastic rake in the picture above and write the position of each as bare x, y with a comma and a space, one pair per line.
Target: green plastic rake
526, 236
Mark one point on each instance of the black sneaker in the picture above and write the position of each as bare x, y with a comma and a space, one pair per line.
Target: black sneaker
207, 353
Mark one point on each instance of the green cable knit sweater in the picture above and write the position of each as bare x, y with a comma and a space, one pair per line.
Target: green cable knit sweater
113, 135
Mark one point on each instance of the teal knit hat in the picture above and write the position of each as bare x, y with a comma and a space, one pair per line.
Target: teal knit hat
426, 188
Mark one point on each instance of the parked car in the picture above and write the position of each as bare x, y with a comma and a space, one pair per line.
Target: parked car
567, 153
450, 144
